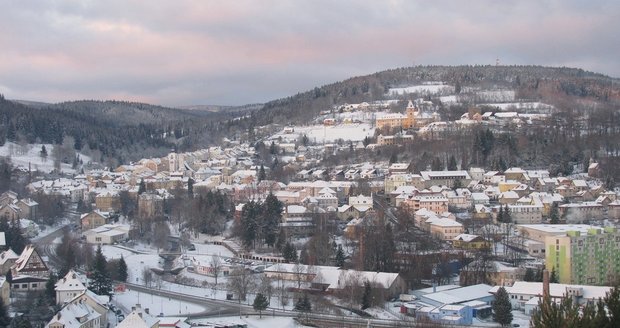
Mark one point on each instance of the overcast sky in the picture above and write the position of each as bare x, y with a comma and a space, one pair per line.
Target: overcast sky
233, 52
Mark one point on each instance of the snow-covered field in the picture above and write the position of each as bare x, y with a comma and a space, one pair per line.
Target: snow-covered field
30, 155
429, 89
322, 133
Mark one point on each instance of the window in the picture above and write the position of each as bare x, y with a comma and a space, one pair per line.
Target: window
34, 285
24, 285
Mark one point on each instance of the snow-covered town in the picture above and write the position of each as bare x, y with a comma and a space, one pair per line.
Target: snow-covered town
201, 238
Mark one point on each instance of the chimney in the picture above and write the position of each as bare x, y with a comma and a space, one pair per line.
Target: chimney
545, 283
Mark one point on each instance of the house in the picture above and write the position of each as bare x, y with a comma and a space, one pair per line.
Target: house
8, 197
108, 201
96, 302
29, 208
494, 272
445, 178
29, 271
107, 234
10, 211
467, 241
139, 318
445, 229
93, 219
150, 205
68, 287
7, 259
579, 212
75, 315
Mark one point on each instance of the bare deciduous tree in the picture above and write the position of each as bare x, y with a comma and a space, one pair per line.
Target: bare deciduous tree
241, 282
216, 266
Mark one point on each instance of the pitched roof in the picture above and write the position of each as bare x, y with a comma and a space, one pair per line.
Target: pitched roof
70, 282
74, 315
9, 254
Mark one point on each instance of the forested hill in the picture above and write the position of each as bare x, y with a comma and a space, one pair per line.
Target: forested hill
113, 132
128, 113
549, 84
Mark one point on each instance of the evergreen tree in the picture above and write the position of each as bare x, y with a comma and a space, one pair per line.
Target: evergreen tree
271, 216
289, 253
190, 187
502, 308
612, 301
281, 242
249, 224
529, 275
604, 314
554, 216
367, 296
452, 166
507, 216
20, 322
260, 303
436, 164
261, 173
340, 258
122, 270
50, 288
500, 215
457, 184
101, 283
141, 187
303, 304
553, 278
43, 152
393, 158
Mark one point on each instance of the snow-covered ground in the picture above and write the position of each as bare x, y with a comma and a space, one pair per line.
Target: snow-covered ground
155, 304
323, 133
430, 89
30, 155
136, 263
252, 322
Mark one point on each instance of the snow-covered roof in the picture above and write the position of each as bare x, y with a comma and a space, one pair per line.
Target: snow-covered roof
466, 237
7, 255
70, 282
559, 229
74, 315
460, 295
295, 209
555, 290
138, 319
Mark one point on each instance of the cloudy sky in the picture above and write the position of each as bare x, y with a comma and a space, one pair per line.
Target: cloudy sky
232, 52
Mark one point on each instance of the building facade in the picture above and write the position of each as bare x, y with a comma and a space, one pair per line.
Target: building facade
591, 258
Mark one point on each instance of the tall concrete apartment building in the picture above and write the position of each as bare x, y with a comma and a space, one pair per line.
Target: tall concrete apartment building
586, 258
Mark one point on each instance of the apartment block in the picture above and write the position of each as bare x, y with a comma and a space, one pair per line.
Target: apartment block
591, 258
